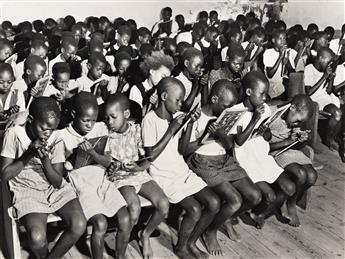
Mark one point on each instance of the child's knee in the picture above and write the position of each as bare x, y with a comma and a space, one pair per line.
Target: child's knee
124, 222
288, 187
254, 197
163, 206
301, 175
100, 225
235, 203
37, 237
134, 210
77, 225
311, 176
195, 211
213, 203
270, 196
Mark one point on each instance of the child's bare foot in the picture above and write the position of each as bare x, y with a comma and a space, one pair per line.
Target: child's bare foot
258, 219
182, 253
230, 231
197, 252
146, 245
210, 241
292, 215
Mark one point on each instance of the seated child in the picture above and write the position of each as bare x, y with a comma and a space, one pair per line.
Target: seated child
231, 70
166, 27
37, 48
286, 130
234, 36
68, 51
98, 196
214, 162
320, 41
319, 78
252, 150
96, 81
34, 69
130, 177
122, 62
124, 35
155, 67
143, 36
11, 100
179, 183
276, 62
6, 49
193, 61
300, 51
30, 162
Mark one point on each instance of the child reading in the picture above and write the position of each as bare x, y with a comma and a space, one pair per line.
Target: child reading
32, 166
286, 130
124, 146
98, 196
319, 78
254, 48
179, 183
6, 49
214, 163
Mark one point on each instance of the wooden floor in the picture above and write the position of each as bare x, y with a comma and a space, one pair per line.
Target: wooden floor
320, 236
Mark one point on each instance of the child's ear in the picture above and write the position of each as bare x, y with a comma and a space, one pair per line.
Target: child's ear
186, 63
73, 114
32, 50
62, 50
248, 91
30, 118
214, 99
164, 96
292, 107
127, 113
28, 71
88, 65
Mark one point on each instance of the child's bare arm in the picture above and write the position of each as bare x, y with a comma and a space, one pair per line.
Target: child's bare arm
10, 168
281, 144
312, 89
187, 104
272, 70
157, 149
185, 146
103, 160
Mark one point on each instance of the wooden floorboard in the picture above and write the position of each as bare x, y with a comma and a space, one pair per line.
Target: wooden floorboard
320, 236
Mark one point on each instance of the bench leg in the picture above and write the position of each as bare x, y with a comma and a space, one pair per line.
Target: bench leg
16, 240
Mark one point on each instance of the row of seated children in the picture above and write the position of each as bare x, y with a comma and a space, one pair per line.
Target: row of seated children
213, 182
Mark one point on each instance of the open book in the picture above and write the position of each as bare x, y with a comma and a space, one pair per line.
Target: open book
80, 158
12, 59
39, 88
227, 120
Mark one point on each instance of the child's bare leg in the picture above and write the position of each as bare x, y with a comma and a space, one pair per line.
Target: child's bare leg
333, 125
233, 201
133, 202
299, 176
72, 214
259, 212
190, 219
36, 228
211, 204
152, 192
99, 228
123, 232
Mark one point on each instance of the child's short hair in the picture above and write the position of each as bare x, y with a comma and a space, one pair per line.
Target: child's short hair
277, 33
124, 29
156, 60
213, 12
167, 9
32, 61
84, 101
6, 43
36, 44
38, 25
120, 98
122, 55
146, 49
235, 50
212, 29
190, 53
95, 44
166, 83
143, 31
303, 103
7, 25
182, 46
320, 34
233, 30
250, 79
5, 67
329, 30
68, 41
50, 23
259, 32
312, 27
60, 68
220, 87
42, 108
96, 56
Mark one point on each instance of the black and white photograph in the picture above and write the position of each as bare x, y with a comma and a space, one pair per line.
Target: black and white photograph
186, 129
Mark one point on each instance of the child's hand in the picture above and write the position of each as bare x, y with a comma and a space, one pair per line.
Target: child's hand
328, 70
204, 79
300, 135
258, 112
34, 91
103, 83
195, 115
176, 123
59, 96
3, 116
86, 146
14, 109
154, 98
250, 46
212, 128
282, 51
40, 148
42, 152
134, 167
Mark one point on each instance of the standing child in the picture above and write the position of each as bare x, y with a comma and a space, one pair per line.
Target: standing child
98, 196
179, 183
32, 166
130, 177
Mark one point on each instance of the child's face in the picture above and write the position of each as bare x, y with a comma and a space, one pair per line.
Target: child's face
123, 66
145, 39
166, 15
124, 40
322, 42
36, 73
279, 41
220, 103
83, 123
42, 130
78, 34
324, 61
173, 99
257, 40
211, 36
6, 82
237, 38
61, 81
295, 118
213, 17
69, 51
257, 95
194, 65
236, 64
116, 117
96, 70
41, 52
159, 74
5, 53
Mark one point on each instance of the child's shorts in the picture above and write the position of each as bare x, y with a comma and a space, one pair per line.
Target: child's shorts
179, 188
292, 156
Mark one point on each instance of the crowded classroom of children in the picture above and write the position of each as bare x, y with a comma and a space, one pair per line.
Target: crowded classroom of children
183, 138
